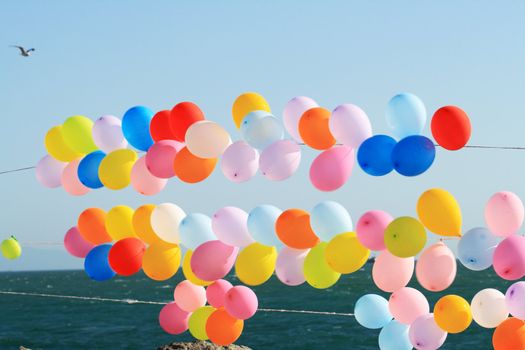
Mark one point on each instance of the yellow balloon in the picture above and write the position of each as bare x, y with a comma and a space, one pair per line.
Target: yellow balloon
197, 322
256, 264
77, 134
119, 222
405, 237
246, 103
115, 169
161, 261
142, 225
452, 313
439, 211
316, 270
188, 272
56, 145
345, 254
11, 248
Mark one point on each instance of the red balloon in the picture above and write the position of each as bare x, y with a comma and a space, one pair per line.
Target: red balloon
125, 256
451, 127
160, 128
183, 115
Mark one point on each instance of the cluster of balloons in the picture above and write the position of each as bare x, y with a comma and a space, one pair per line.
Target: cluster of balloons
10, 248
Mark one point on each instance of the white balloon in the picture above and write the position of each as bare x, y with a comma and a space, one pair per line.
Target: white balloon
489, 308
165, 220
107, 134
207, 139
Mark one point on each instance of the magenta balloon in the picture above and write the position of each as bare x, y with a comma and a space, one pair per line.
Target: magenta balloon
509, 258
70, 180
350, 125
230, 225
241, 302
143, 181
407, 304
188, 296
240, 162
504, 213
371, 229
515, 300
424, 333
213, 260
280, 160
49, 171
289, 266
160, 158
293, 111
390, 272
216, 293
173, 319
107, 134
75, 244
332, 168
436, 267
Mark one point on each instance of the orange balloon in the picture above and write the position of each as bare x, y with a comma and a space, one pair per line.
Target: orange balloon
142, 224
190, 168
92, 226
223, 329
314, 128
509, 335
293, 229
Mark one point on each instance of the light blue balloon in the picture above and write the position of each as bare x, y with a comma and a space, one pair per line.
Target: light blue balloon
476, 248
261, 225
135, 127
371, 311
260, 129
195, 229
329, 219
394, 336
406, 114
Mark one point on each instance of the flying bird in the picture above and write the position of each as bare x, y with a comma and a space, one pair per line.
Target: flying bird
24, 52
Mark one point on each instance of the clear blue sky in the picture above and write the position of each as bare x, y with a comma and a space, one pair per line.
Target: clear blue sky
103, 57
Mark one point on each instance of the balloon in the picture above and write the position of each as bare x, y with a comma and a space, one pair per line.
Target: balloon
88, 169
350, 125
390, 272
141, 222
405, 237
223, 329
439, 211
77, 134
125, 257
294, 230
195, 229
504, 213
173, 319
143, 181
119, 222
165, 221
280, 160
371, 228
56, 145
107, 134
240, 162
96, 264
216, 293
261, 225
191, 169
246, 103
230, 226
188, 273
49, 171
452, 313
197, 322
509, 335
515, 299
188, 296
450, 127
317, 272
160, 158
255, 264
183, 115
314, 129
413, 155
345, 254
70, 180
135, 126
476, 248
329, 219
289, 266
241, 302
509, 258
436, 267
375, 155
159, 127
406, 115
489, 308
406, 304
331, 169
115, 169
293, 112
260, 129
92, 226
371, 311
425, 334
213, 260
11, 248
207, 139
394, 336
161, 261
75, 244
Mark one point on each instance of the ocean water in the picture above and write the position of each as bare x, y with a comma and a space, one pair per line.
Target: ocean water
49, 323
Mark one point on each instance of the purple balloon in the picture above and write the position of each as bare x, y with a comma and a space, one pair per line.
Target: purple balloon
160, 157
331, 169
230, 225
75, 244
280, 160
240, 162
107, 134
49, 172
425, 334
515, 300
293, 111
350, 125
213, 260
289, 266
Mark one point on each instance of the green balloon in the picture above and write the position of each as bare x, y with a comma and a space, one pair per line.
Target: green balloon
77, 134
11, 248
197, 322
316, 270
405, 237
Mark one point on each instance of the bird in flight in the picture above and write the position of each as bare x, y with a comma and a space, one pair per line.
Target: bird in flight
23, 51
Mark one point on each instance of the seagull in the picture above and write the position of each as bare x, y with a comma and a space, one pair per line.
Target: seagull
24, 52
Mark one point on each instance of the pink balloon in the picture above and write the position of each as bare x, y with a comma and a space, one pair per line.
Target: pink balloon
371, 228
241, 302
504, 213
436, 267
143, 181
188, 296
509, 258
350, 125
390, 272
424, 333
70, 180
173, 319
230, 225
515, 300
407, 304
240, 162
49, 171
160, 157
213, 260
289, 266
280, 160
216, 293
332, 168
75, 244
292, 113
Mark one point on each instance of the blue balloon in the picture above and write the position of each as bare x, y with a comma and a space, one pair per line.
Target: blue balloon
375, 155
394, 336
88, 169
135, 127
260, 129
195, 229
330, 218
406, 114
413, 155
261, 225
476, 248
96, 264
371, 311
